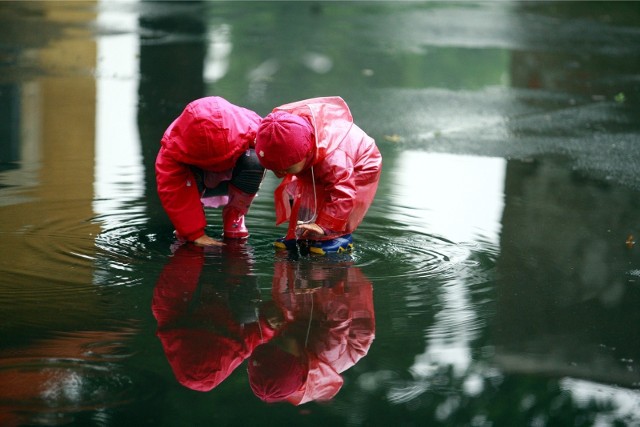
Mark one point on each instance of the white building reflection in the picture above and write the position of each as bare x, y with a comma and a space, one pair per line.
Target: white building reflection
218, 53
624, 402
119, 173
457, 197
460, 199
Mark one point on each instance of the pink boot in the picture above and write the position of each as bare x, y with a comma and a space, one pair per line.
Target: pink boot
233, 214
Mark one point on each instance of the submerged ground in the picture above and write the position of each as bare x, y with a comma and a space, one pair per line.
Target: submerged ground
497, 269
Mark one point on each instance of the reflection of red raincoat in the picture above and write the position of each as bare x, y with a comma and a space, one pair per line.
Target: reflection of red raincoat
346, 169
341, 319
210, 134
201, 339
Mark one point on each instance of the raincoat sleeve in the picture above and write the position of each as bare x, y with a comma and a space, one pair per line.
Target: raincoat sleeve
354, 342
282, 197
176, 284
179, 196
337, 171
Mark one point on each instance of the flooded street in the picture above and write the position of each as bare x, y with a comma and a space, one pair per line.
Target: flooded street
495, 279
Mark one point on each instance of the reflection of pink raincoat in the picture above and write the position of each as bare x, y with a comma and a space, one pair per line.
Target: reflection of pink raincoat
341, 318
210, 134
203, 343
346, 168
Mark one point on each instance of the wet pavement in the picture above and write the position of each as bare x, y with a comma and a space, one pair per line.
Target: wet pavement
495, 277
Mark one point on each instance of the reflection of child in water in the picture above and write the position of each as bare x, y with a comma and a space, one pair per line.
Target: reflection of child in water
327, 330
207, 330
277, 369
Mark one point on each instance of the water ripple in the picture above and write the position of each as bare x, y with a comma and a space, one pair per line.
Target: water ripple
39, 391
58, 246
414, 256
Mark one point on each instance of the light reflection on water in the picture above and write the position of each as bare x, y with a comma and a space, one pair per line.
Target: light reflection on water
119, 174
458, 197
502, 287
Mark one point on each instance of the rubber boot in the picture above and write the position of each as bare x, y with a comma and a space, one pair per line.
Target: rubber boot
233, 214
283, 243
338, 245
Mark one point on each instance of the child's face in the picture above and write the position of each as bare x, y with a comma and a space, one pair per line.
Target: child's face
291, 170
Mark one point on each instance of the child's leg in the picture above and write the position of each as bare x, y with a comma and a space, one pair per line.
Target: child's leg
248, 173
245, 182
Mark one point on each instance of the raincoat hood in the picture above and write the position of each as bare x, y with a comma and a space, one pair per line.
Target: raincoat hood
201, 359
283, 140
322, 384
330, 117
211, 133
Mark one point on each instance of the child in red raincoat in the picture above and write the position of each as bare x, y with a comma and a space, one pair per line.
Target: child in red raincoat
209, 325
330, 167
207, 159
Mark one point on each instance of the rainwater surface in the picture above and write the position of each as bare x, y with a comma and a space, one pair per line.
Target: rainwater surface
495, 280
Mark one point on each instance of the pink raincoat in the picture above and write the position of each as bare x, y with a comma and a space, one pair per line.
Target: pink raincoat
210, 134
341, 322
345, 166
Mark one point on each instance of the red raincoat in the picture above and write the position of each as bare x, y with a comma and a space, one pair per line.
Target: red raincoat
346, 169
211, 134
202, 340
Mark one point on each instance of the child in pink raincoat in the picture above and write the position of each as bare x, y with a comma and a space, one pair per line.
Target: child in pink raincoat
329, 326
330, 167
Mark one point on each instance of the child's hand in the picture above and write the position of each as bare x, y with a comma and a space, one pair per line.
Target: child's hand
205, 240
309, 230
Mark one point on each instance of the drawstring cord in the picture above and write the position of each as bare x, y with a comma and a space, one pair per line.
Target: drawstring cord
306, 339
315, 206
315, 201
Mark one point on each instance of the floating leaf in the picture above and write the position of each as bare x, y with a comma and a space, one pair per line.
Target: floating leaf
393, 138
630, 241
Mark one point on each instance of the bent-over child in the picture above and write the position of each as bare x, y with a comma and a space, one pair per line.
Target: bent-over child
330, 167
207, 159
